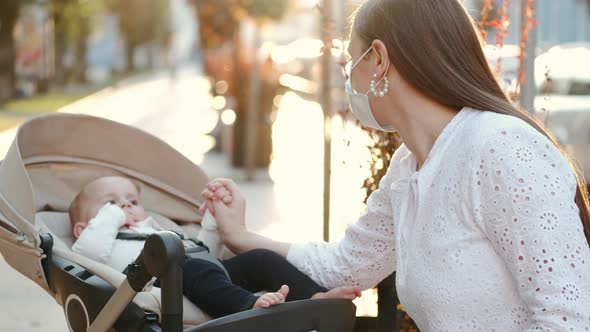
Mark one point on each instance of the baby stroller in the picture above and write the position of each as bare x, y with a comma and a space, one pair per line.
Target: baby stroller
49, 161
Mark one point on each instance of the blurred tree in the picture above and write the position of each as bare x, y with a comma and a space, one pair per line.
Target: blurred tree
219, 19
140, 22
9, 10
72, 28
265, 9
80, 32
58, 14
251, 83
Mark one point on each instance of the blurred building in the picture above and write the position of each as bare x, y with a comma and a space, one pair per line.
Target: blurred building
105, 47
559, 21
34, 49
563, 21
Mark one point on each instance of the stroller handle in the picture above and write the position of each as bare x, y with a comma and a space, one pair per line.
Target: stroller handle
162, 257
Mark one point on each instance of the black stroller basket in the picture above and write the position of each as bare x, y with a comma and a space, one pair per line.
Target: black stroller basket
92, 304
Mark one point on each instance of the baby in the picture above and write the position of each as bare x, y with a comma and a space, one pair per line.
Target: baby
110, 205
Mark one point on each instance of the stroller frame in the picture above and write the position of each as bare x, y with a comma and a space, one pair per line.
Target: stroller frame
114, 308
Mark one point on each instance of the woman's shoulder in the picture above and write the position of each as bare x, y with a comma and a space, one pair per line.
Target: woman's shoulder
507, 141
487, 128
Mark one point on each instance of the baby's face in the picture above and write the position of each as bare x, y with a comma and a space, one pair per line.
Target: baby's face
114, 190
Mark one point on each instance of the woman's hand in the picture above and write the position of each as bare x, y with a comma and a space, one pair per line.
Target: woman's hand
227, 204
216, 190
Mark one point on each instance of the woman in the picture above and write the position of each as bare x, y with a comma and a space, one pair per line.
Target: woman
481, 213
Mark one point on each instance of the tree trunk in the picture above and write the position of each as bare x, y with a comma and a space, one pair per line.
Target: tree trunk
240, 87
252, 109
81, 63
130, 47
59, 46
8, 18
238, 90
528, 89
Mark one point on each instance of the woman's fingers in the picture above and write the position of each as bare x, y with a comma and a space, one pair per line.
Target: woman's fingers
211, 193
227, 183
358, 292
223, 195
352, 292
351, 295
207, 194
209, 206
219, 189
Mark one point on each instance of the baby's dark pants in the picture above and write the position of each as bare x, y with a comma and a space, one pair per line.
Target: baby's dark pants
208, 287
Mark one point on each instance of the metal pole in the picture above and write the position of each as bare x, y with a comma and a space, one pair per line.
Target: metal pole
528, 88
326, 102
253, 105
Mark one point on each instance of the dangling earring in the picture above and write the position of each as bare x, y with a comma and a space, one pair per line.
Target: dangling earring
383, 92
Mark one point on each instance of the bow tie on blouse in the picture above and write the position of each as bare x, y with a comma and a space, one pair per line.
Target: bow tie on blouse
407, 175
404, 192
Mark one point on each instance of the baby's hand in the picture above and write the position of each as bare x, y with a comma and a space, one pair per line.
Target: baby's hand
112, 211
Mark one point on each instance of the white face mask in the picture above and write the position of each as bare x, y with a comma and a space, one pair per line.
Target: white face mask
359, 102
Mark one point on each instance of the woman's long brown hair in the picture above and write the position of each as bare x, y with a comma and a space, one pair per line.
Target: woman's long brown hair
435, 47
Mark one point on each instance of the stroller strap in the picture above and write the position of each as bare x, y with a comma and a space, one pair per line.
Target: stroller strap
192, 248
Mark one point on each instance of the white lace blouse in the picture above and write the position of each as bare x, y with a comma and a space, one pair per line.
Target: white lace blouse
486, 236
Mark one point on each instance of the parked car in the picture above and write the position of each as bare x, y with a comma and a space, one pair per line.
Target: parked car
562, 75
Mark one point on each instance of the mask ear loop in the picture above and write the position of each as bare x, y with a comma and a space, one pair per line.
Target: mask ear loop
349, 72
359, 60
374, 84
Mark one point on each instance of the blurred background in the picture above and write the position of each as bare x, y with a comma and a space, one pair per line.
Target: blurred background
253, 90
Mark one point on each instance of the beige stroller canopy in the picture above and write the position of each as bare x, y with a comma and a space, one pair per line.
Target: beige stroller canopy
53, 156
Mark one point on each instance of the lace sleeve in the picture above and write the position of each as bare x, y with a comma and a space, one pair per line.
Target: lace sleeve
366, 254
527, 189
